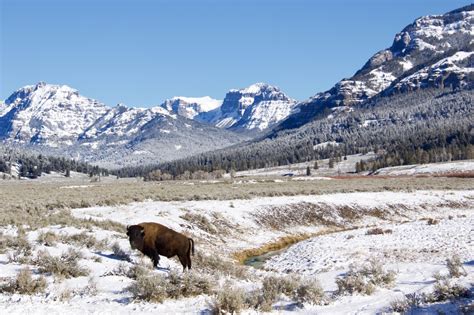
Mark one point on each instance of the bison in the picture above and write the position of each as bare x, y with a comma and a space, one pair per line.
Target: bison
154, 239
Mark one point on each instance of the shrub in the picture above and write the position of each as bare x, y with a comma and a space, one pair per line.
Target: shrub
156, 288
149, 288
137, 271
365, 279
200, 221
455, 267
47, 238
400, 305
23, 249
354, 282
310, 291
432, 221
65, 295
84, 239
415, 299
66, 265
24, 284
215, 265
119, 252
445, 290
229, 300
194, 284
376, 231
90, 289
273, 286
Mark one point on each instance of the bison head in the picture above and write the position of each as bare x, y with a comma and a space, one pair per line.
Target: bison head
136, 234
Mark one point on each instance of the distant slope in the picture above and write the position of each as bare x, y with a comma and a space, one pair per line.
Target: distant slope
438, 122
433, 51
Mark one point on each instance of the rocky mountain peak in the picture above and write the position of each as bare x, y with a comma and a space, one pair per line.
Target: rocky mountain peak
424, 54
256, 107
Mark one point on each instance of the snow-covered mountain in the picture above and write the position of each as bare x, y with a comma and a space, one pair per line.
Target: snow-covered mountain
257, 107
47, 114
433, 51
190, 107
58, 120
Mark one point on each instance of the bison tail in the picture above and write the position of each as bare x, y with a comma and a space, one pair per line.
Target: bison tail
191, 247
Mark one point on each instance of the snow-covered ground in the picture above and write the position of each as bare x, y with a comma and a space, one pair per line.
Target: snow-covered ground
414, 249
465, 166
299, 169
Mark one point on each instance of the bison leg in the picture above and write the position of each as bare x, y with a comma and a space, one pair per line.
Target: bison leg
156, 259
183, 261
188, 259
153, 254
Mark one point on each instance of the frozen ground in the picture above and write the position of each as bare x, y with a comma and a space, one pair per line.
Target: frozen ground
414, 249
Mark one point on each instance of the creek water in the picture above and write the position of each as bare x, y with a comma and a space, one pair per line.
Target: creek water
259, 261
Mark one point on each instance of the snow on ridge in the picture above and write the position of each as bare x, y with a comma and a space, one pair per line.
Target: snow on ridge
444, 65
207, 103
50, 114
252, 89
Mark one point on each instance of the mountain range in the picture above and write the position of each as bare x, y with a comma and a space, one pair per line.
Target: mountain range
434, 52
56, 118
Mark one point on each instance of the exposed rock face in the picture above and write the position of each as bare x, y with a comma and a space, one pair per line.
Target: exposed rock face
257, 107
190, 107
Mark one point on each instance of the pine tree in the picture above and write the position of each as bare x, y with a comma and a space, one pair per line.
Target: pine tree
331, 163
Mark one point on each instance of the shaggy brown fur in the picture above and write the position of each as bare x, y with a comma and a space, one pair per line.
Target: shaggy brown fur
154, 239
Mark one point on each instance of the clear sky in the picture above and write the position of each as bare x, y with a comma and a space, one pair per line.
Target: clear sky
141, 52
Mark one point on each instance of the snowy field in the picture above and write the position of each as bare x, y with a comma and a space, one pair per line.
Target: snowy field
456, 167
426, 227
299, 169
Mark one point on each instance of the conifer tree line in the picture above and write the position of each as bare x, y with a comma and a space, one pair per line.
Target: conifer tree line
32, 166
429, 125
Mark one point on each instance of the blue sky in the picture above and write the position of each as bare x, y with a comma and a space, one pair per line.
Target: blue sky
142, 52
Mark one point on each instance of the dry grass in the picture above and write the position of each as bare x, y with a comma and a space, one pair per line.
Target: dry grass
280, 243
34, 202
310, 214
456, 175
302, 213
201, 221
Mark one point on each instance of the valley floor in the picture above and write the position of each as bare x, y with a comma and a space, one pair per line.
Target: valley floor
413, 248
